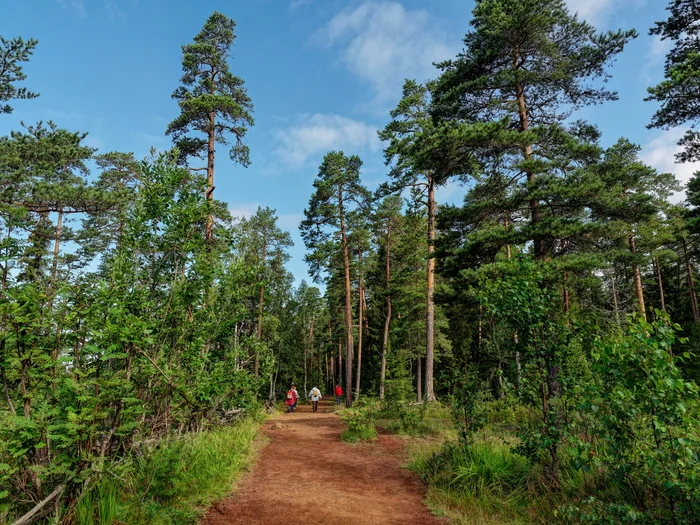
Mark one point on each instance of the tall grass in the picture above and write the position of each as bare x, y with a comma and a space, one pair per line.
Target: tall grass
486, 479
171, 482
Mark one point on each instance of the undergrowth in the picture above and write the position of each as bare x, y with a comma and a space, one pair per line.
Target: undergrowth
171, 482
360, 424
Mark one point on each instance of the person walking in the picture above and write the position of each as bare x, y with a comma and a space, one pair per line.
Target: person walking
291, 401
338, 394
296, 397
315, 395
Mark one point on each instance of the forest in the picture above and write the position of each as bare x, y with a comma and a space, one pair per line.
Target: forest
541, 336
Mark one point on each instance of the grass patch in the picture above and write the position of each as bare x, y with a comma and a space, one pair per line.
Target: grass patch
173, 482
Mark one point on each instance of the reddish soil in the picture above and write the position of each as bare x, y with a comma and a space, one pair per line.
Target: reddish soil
307, 476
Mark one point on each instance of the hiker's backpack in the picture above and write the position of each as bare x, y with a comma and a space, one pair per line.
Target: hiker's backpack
315, 392
290, 394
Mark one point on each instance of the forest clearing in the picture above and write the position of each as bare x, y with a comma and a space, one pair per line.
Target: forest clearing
472, 225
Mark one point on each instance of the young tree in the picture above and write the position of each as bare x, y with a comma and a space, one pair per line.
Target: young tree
213, 102
338, 194
678, 93
12, 53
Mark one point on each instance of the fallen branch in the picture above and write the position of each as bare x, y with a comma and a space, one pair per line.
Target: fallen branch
34, 514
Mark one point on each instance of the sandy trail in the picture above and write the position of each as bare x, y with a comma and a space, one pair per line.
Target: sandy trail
307, 476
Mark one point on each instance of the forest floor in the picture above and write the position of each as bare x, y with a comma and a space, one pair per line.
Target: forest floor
307, 476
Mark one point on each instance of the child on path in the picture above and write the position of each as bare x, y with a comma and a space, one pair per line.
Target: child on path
315, 395
292, 397
338, 394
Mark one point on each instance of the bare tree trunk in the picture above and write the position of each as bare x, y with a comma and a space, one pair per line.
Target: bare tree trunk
359, 338
430, 314
210, 173
419, 376
691, 284
348, 304
56, 251
535, 212
387, 313
507, 245
661, 284
638, 290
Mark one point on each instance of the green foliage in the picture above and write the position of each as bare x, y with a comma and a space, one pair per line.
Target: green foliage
641, 417
677, 93
12, 53
488, 473
172, 482
212, 100
360, 424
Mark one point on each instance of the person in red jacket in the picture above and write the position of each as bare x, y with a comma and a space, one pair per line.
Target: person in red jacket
338, 394
292, 397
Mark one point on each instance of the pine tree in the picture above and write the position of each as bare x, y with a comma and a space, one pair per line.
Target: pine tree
338, 194
526, 65
410, 128
213, 102
12, 53
678, 93
386, 222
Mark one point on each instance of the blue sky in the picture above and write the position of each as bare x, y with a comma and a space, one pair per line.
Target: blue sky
322, 74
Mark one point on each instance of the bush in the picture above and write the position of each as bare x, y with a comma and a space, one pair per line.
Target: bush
360, 424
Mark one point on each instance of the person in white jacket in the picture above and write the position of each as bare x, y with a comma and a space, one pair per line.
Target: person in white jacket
315, 395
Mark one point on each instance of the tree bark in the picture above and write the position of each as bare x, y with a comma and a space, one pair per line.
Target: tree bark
638, 290
348, 304
430, 313
419, 376
56, 251
359, 338
387, 313
210, 173
535, 212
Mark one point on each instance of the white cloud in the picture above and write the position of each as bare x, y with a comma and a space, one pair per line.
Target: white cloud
316, 134
660, 153
77, 5
596, 11
655, 55
244, 210
383, 43
114, 13
296, 4
658, 49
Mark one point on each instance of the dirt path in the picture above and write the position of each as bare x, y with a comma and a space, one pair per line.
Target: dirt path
307, 476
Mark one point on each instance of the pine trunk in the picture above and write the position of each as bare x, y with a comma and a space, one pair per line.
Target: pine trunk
419, 376
636, 274
359, 340
210, 173
535, 212
430, 314
387, 313
348, 305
